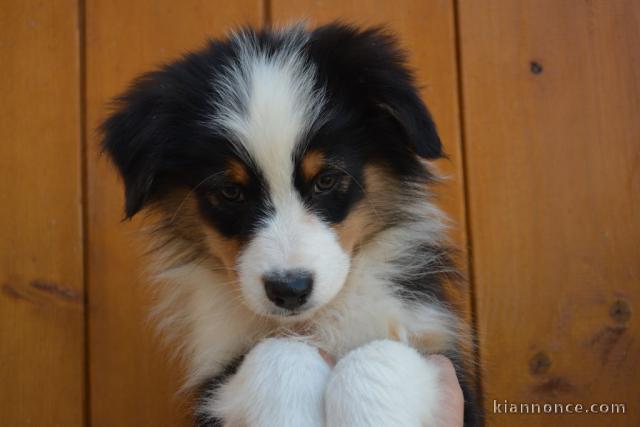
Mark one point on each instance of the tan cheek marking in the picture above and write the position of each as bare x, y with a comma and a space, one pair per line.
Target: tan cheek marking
363, 220
238, 172
379, 183
180, 210
312, 163
225, 249
353, 229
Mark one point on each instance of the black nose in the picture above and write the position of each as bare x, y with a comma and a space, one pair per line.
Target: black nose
289, 289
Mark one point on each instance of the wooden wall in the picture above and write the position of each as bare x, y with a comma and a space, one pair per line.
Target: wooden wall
536, 100
42, 304
551, 113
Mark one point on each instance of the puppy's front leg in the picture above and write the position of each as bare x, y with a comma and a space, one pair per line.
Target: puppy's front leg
280, 383
384, 383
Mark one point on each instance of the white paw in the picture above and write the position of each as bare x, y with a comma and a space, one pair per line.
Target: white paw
280, 383
384, 383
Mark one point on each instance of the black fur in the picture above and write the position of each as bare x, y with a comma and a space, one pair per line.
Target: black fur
211, 386
428, 283
366, 69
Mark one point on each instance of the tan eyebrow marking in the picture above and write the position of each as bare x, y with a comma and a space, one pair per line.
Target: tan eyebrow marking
238, 172
312, 162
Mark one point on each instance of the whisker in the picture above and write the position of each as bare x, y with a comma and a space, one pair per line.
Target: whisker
191, 191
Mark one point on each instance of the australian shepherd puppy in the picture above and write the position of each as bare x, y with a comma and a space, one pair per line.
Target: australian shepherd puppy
287, 196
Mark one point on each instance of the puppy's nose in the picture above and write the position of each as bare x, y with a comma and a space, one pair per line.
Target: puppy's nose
288, 289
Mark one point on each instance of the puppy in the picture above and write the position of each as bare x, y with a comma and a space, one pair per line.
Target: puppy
288, 208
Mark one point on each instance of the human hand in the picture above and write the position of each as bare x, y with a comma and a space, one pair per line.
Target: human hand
453, 400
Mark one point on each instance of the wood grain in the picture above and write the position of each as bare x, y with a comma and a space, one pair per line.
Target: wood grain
132, 381
41, 273
551, 109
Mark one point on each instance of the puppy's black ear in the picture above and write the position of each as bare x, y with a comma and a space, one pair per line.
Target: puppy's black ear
371, 63
132, 138
412, 115
390, 84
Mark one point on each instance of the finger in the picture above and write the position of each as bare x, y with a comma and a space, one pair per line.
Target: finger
453, 399
327, 357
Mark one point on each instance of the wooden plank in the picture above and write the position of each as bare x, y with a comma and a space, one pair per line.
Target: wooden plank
41, 272
553, 151
132, 381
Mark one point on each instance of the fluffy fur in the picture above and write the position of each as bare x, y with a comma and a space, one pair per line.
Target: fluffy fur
400, 385
286, 154
274, 371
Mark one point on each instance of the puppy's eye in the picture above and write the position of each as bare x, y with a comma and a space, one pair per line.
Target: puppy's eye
232, 193
326, 182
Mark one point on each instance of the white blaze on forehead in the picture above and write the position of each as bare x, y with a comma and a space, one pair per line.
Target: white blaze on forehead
268, 102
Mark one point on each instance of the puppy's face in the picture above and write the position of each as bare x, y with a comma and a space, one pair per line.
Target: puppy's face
288, 143
272, 222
